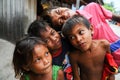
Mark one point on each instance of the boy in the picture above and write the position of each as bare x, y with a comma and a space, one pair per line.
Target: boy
57, 45
95, 13
88, 55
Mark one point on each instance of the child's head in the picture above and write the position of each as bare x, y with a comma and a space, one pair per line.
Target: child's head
77, 30
31, 55
46, 33
57, 16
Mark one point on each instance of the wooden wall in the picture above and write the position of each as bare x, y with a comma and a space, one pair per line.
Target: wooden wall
15, 17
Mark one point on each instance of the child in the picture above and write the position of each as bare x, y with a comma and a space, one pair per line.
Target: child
88, 55
95, 13
32, 61
97, 16
57, 45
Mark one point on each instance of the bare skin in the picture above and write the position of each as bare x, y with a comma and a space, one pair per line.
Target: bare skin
41, 67
89, 55
52, 39
90, 62
61, 14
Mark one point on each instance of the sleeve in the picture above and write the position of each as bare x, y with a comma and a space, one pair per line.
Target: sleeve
55, 70
107, 13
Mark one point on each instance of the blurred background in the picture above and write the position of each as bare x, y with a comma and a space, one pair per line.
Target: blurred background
16, 15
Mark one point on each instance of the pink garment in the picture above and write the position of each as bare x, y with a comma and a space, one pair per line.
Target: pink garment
97, 16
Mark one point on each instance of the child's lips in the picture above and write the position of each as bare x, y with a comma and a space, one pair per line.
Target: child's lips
48, 67
82, 45
58, 43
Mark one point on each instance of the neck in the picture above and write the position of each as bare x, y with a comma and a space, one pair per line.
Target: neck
57, 52
47, 76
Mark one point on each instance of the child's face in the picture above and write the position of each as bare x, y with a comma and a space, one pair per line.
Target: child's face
61, 14
80, 37
42, 60
52, 38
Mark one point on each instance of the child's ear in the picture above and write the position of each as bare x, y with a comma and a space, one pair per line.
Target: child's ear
26, 68
92, 31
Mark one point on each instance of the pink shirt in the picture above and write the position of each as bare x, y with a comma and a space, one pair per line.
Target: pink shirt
97, 16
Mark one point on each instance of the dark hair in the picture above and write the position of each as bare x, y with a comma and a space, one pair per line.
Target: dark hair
46, 16
23, 53
85, 2
71, 22
36, 27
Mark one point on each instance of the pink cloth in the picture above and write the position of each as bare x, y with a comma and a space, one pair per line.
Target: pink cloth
97, 16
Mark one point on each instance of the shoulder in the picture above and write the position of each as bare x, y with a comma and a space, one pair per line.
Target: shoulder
74, 54
60, 74
92, 4
93, 7
104, 42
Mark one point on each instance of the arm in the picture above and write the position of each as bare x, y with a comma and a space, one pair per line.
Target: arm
116, 18
110, 67
60, 75
111, 77
74, 65
106, 45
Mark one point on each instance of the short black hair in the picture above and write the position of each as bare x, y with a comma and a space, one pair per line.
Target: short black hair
71, 22
36, 27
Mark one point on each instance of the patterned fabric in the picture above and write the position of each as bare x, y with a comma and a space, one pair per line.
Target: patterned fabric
110, 67
115, 50
67, 69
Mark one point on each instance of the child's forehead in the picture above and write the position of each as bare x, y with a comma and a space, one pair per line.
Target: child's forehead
78, 25
40, 48
46, 31
46, 28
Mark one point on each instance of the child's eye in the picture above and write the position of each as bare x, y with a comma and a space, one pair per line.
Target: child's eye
46, 40
47, 53
81, 32
53, 32
60, 21
37, 60
58, 12
72, 37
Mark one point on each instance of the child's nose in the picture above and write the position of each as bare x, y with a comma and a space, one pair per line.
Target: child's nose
53, 38
79, 39
46, 61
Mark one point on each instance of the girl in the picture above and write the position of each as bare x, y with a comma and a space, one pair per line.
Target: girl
32, 61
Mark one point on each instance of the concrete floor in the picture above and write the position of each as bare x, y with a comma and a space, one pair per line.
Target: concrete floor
6, 53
